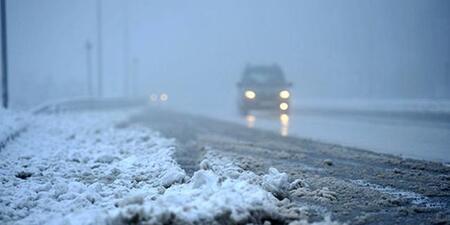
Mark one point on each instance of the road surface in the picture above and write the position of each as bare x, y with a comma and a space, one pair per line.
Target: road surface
353, 185
419, 137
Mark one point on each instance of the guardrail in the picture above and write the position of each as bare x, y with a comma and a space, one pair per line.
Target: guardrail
86, 104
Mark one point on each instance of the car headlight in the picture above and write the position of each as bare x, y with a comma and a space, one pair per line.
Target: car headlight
250, 94
284, 94
153, 97
284, 106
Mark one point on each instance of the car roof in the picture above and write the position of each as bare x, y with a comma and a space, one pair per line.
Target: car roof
263, 69
263, 74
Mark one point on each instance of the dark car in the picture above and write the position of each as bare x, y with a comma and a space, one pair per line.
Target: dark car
263, 88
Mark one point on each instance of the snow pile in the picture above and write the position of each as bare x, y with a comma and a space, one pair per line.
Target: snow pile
277, 183
273, 182
11, 123
72, 163
219, 193
204, 198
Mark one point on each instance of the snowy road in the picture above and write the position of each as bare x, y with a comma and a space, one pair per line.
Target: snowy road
151, 166
94, 168
353, 185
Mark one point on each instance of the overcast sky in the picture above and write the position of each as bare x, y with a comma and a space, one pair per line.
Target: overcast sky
196, 50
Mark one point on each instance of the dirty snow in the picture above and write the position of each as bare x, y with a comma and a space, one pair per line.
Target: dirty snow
413, 197
273, 182
220, 191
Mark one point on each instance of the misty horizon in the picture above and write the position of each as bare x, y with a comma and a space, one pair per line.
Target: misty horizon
197, 52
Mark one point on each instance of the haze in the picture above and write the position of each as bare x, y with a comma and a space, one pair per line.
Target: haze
196, 51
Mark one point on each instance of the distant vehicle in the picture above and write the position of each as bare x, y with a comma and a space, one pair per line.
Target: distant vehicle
263, 88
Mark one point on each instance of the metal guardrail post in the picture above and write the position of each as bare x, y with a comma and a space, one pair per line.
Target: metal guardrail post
5, 97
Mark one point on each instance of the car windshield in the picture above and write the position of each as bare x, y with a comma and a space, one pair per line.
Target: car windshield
263, 78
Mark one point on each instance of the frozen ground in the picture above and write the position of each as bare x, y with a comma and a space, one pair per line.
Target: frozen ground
93, 168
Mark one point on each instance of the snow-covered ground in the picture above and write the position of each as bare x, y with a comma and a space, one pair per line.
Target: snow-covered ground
64, 163
90, 168
11, 122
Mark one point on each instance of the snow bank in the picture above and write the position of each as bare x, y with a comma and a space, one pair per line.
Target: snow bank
222, 193
68, 164
91, 168
219, 193
204, 198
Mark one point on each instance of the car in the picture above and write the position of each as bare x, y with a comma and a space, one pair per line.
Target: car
263, 87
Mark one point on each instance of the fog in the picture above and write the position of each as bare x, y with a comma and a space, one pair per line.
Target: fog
196, 51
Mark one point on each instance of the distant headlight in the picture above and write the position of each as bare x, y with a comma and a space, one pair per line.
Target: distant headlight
284, 94
153, 97
284, 106
250, 94
163, 97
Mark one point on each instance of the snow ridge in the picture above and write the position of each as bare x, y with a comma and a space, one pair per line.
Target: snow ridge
219, 193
